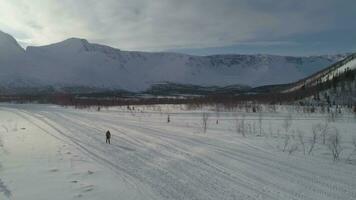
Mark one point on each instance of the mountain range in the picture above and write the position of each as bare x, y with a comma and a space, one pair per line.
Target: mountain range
77, 63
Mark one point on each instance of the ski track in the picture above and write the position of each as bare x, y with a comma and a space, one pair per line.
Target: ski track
176, 163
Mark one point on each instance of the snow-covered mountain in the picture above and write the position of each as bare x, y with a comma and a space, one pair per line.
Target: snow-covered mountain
12, 60
78, 63
337, 69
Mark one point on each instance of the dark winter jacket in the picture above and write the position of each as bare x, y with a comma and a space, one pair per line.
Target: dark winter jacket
108, 135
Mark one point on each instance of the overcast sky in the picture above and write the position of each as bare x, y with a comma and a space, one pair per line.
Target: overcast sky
293, 27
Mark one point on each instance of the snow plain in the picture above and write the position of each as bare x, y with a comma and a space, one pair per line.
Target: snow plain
51, 152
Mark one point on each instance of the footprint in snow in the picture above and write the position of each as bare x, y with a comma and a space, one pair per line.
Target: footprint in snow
78, 196
54, 170
88, 188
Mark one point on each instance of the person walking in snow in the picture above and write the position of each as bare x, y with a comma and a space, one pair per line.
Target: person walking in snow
108, 136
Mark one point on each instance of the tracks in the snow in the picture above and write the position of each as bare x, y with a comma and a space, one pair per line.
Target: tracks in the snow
180, 165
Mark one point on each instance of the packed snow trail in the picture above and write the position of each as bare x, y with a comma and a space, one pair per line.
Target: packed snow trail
162, 160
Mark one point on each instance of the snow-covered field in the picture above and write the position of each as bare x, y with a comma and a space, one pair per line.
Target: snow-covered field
51, 152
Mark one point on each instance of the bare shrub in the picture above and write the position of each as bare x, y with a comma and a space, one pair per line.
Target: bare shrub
260, 118
301, 139
313, 139
334, 144
292, 149
241, 126
249, 128
254, 128
354, 151
270, 129
334, 114
287, 122
323, 129
205, 118
286, 142
237, 123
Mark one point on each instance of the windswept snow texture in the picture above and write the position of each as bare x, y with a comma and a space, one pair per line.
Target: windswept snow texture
64, 151
78, 63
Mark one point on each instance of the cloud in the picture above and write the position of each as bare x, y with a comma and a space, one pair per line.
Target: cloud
169, 24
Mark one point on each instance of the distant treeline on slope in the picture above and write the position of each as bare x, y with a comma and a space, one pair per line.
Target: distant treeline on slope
273, 97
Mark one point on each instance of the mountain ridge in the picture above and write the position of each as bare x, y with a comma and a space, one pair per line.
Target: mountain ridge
75, 62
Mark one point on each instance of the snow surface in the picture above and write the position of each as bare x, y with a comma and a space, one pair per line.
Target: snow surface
76, 62
50, 152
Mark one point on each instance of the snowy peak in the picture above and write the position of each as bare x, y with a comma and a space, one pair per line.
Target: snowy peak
9, 47
67, 46
71, 43
7, 40
71, 47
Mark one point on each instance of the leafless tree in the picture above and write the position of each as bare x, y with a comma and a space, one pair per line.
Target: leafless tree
249, 128
301, 139
254, 128
313, 139
205, 118
260, 118
292, 149
240, 126
286, 142
354, 151
323, 128
237, 124
270, 129
334, 144
287, 122
243, 126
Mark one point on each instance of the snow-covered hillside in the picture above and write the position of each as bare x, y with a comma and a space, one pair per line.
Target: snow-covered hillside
335, 70
76, 62
12, 60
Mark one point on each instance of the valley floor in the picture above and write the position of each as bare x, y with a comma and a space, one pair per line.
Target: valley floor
51, 152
